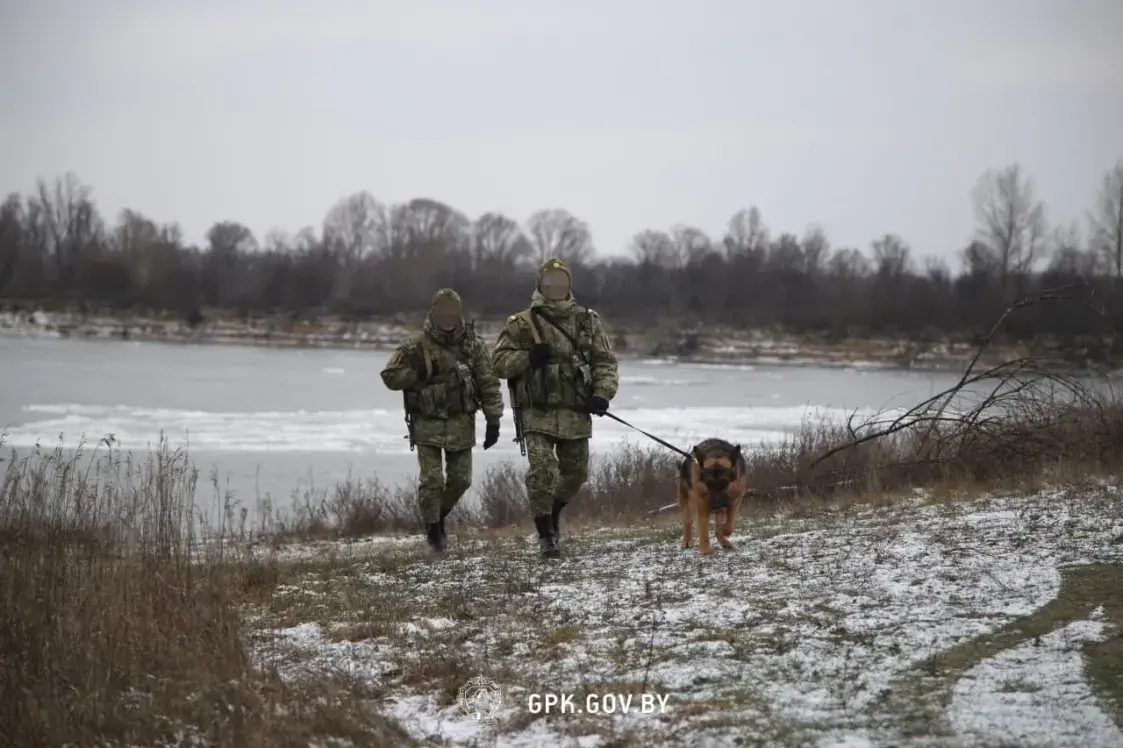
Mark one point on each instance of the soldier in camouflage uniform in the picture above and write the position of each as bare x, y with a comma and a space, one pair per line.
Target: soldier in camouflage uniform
446, 375
560, 365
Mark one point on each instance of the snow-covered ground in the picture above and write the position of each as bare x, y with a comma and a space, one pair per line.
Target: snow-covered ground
954, 623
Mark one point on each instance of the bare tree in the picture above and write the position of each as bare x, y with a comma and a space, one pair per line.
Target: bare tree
136, 238
357, 227
816, 249
1107, 220
11, 238
424, 231
435, 221
937, 272
980, 260
847, 264
786, 254
891, 256
230, 238
68, 221
558, 233
691, 244
356, 231
498, 243
1011, 221
224, 274
746, 235
1074, 262
1069, 258
278, 242
655, 248
306, 240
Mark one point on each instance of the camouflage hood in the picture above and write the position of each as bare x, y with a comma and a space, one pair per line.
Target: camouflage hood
445, 298
561, 308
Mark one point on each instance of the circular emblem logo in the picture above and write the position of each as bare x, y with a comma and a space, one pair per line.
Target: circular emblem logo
481, 699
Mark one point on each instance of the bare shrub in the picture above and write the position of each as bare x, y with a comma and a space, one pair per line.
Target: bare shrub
622, 483
352, 508
502, 497
626, 483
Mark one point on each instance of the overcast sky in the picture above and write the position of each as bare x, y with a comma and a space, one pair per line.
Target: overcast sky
865, 116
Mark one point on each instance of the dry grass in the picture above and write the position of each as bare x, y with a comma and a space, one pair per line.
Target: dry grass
119, 626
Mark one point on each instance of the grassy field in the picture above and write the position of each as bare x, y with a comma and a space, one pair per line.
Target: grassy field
949, 577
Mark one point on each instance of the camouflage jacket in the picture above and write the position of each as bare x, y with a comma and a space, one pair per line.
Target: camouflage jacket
552, 399
444, 405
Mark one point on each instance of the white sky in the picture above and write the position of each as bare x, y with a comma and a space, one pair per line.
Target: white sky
865, 116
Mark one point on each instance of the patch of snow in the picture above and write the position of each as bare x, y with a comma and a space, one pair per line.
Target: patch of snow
1036, 695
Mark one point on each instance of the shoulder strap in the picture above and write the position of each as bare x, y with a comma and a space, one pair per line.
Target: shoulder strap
553, 323
468, 341
528, 316
426, 354
430, 357
587, 319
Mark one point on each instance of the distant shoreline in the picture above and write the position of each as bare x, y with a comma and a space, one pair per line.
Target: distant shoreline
666, 343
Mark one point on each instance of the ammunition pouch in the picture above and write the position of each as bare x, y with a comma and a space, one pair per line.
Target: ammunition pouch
448, 395
566, 385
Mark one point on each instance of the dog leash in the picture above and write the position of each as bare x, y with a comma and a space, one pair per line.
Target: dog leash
652, 437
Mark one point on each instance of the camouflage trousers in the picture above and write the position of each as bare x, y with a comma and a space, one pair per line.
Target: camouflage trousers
557, 470
439, 489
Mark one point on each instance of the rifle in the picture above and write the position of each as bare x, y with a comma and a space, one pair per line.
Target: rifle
409, 421
516, 412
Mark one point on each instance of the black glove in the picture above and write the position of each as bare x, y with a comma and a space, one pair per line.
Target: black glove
597, 405
492, 435
539, 355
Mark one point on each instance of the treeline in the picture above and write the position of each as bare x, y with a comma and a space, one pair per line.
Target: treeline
369, 259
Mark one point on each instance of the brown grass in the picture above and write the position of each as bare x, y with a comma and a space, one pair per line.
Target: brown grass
119, 624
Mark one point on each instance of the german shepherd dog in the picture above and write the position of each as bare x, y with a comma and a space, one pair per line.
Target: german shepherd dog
713, 480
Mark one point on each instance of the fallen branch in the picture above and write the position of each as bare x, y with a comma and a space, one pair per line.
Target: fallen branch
1026, 372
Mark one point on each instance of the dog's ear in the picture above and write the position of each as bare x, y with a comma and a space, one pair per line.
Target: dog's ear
699, 455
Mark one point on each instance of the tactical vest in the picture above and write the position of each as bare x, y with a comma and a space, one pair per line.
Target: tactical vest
567, 379
452, 391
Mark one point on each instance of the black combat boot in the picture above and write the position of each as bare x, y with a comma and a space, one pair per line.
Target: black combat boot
441, 523
555, 517
546, 540
435, 537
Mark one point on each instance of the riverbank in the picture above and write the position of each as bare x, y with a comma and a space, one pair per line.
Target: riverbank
664, 340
